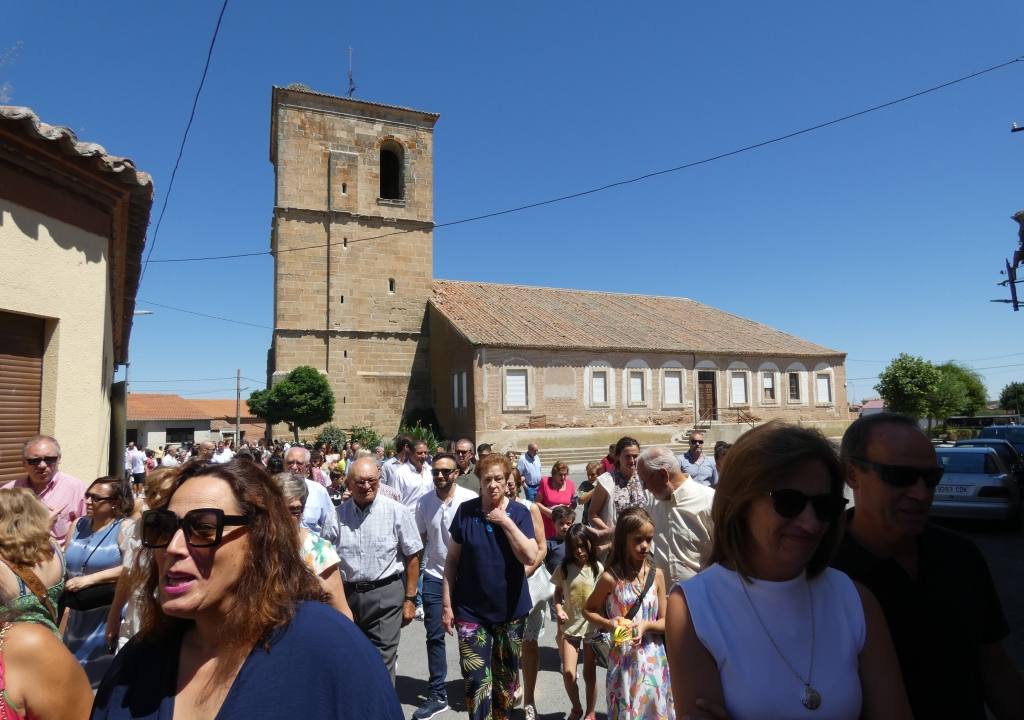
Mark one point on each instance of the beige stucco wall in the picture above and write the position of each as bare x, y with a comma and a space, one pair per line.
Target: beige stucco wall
56, 271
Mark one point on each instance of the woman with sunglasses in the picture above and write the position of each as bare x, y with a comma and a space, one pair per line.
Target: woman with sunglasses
768, 630
235, 624
318, 554
94, 561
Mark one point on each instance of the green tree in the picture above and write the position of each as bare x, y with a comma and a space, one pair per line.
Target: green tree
367, 437
907, 384
302, 399
1011, 398
975, 396
331, 435
950, 394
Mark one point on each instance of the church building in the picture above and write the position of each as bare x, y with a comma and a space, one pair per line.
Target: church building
355, 297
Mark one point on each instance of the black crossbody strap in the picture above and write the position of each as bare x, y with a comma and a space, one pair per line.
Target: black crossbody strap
647, 586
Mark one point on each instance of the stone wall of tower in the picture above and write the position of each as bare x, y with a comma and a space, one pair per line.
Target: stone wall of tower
356, 310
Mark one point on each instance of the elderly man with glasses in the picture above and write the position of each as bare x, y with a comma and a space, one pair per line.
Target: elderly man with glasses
696, 464
934, 586
63, 494
319, 517
379, 548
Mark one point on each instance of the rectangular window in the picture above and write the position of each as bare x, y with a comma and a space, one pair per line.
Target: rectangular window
768, 386
515, 388
598, 387
673, 390
636, 387
465, 396
794, 387
824, 388
739, 388
181, 435
455, 390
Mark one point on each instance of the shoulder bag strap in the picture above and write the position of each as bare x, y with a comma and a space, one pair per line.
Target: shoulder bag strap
635, 608
35, 585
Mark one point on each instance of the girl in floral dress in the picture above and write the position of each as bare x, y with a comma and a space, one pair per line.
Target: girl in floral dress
638, 683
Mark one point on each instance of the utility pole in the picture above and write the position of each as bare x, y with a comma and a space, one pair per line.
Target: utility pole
238, 408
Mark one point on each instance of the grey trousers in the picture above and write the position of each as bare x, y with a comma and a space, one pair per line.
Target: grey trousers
378, 613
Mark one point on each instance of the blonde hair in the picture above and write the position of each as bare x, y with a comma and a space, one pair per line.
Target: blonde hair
24, 528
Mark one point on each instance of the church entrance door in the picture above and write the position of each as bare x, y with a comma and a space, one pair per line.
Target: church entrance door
706, 397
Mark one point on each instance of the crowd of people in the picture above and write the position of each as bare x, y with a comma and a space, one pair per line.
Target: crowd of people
215, 581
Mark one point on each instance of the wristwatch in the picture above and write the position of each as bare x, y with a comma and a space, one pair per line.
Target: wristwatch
410, 598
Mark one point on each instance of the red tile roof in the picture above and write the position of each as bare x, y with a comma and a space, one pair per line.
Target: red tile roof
512, 316
222, 408
159, 406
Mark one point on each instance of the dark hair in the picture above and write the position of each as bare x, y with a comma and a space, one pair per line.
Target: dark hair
722, 449
758, 462
122, 502
628, 522
624, 443
483, 447
402, 443
560, 511
858, 436
275, 464
444, 456
274, 579
578, 537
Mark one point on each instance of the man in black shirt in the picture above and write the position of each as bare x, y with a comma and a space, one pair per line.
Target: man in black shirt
934, 586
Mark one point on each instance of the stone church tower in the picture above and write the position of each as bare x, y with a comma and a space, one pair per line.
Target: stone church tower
352, 238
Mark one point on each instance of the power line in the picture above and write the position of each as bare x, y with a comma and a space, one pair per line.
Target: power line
184, 137
628, 181
230, 377
216, 390
252, 379
990, 367
212, 317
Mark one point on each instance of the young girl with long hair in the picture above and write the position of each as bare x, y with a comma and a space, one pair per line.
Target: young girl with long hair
629, 602
574, 580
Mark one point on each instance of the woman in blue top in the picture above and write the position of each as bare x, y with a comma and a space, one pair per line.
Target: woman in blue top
234, 623
485, 594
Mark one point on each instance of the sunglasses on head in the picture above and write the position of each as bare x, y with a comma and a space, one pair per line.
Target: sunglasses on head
903, 476
790, 503
50, 459
203, 527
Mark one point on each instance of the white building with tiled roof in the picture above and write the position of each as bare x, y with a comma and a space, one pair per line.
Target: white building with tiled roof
352, 236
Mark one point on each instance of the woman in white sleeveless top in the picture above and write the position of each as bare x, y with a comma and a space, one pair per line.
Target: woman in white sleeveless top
769, 630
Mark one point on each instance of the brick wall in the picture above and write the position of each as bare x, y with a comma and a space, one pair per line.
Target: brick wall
356, 311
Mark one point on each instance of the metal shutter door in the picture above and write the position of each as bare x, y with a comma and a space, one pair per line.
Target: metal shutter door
21, 383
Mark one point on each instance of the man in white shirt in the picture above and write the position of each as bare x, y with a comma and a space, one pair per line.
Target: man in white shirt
388, 471
681, 510
434, 514
412, 478
138, 464
224, 453
170, 458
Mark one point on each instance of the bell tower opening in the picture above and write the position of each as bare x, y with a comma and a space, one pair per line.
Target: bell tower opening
391, 180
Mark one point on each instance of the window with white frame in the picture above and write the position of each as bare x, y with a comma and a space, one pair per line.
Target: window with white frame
738, 387
823, 388
635, 387
598, 387
465, 397
795, 394
455, 390
768, 393
515, 388
672, 387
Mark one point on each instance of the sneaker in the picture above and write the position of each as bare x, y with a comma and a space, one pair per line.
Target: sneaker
430, 708
419, 616
530, 712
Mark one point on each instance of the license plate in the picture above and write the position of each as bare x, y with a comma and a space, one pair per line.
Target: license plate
953, 490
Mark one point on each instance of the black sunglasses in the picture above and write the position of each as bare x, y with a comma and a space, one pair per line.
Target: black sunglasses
903, 476
790, 503
441, 471
50, 459
696, 442
203, 527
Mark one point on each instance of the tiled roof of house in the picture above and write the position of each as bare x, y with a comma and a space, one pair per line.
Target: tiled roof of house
876, 404
222, 408
158, 406
94, 158
498, 315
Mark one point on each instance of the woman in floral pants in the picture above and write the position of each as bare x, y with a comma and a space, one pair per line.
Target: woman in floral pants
485, 594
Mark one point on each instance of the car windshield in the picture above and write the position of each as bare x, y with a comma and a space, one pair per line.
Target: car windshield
968, 463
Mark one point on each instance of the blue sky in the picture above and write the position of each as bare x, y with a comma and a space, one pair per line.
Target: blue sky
881, 235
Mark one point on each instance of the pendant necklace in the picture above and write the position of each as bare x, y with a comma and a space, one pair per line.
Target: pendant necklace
810, 698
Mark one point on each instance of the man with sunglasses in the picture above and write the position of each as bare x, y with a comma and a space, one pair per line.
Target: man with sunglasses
465, 458
434, 514
945, 617
696, 464
63, 494
319, 517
